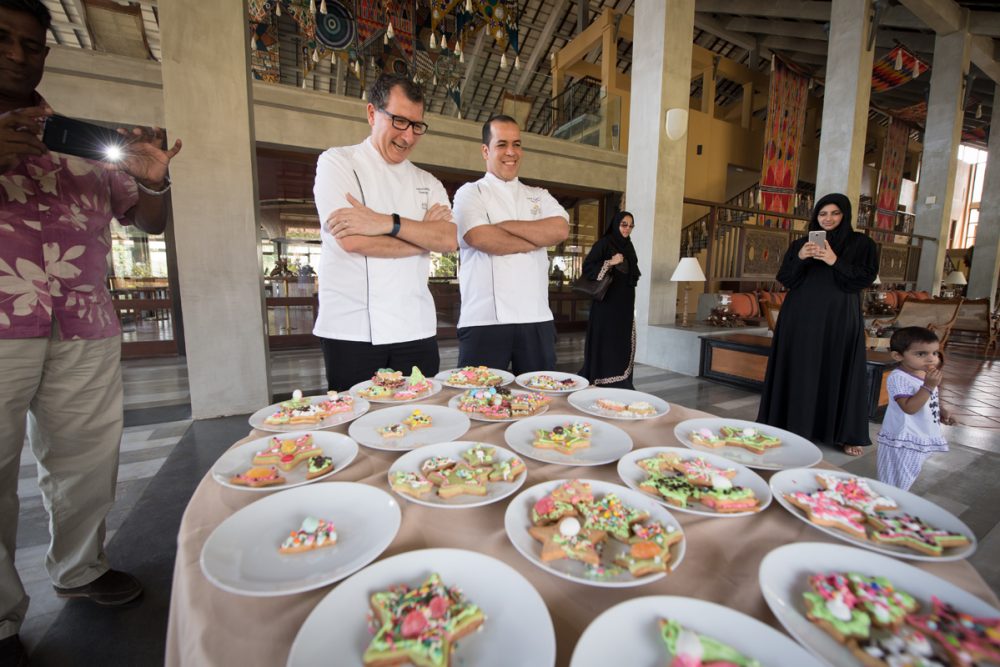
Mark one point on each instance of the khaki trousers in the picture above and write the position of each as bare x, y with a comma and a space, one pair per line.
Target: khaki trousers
71, 393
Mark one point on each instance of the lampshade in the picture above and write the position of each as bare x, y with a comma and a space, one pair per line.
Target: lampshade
956, 278
877, 281
688, 270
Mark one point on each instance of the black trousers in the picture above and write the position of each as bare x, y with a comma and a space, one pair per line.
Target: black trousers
349, 362
525, 347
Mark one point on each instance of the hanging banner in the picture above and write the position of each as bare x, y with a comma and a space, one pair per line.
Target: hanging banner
786, 119
890, 177
895, 68
264, 56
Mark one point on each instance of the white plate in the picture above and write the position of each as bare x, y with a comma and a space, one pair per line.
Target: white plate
581, 382
629, 634
436, 388
453, 403
241, 555
607, 442
784, 575
446, 424
336, 632
804, 479
257, 419
633, 476
506, 377
794, 451
495, 491
239, 459
584, 401
517, 521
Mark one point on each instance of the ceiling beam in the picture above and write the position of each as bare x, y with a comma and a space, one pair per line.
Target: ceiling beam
947, 16
542, 46
473, 61
720, 29
782, 28
778, 43
808, 10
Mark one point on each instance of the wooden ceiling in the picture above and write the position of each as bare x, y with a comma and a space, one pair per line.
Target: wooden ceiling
747, 31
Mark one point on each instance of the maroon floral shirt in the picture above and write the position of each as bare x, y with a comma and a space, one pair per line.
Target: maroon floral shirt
55, 236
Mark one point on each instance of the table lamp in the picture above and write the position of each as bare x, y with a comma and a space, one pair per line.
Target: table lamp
688, 271
955, 279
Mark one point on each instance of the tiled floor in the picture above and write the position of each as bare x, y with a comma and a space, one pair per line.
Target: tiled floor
141, 526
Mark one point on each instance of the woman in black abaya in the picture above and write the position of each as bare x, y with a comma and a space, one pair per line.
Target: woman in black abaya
610, 347
815, 384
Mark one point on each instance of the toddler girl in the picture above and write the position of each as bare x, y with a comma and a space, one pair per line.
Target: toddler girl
911, 430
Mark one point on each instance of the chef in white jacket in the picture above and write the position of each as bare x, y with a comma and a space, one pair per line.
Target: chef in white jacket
504, 228
382, 216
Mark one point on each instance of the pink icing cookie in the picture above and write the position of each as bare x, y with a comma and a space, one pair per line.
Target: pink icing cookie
909, 531
702, 473
967, 639
824, 508
856, 493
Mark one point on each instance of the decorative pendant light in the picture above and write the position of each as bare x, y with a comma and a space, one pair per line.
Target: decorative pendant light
899, 59
364, 96
434, 81
277, 8
468, 6
322, 6
503, 61
388, 31
316, 55
916, 68
517, 62
434, 43
312, 7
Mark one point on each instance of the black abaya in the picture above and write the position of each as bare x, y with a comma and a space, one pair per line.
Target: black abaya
815, 384
609, 351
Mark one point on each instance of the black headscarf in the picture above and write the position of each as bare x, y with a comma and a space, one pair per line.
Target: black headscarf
623, 244
838, 237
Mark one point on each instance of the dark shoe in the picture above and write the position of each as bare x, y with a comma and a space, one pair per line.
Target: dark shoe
12, 652
111, 589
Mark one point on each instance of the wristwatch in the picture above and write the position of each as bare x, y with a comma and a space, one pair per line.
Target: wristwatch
395, 224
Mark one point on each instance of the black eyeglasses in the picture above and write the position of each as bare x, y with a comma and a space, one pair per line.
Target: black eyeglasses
401, 123
630, 225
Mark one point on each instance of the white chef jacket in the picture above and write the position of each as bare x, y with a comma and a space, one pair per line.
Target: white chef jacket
502, 289
373, 299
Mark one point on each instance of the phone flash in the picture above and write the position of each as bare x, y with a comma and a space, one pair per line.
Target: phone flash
113, 153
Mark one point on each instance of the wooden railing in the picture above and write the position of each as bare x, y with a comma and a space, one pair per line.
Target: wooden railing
743, 254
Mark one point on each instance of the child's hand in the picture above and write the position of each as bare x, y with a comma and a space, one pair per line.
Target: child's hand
948, 420
933, 377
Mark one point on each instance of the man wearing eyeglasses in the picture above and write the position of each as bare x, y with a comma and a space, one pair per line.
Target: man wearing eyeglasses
504, 228
382, 216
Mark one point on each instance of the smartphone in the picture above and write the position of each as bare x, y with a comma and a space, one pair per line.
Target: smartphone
819, 238
82, 139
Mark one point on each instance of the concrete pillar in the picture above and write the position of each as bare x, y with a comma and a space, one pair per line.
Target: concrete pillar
986, 257
941, 140
845, 100
207, 103
708, 91
661, 74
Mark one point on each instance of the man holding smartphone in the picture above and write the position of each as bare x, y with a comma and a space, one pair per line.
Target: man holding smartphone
60, 341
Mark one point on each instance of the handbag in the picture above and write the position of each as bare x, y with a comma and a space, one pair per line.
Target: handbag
595, 289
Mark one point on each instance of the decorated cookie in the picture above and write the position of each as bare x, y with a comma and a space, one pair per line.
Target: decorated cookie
506, 471
337, 402
724, 497
568, 539
639, 409
548, 383
462, 479
700, 472
313, 534
691, 649
474, 376
418, 419
886, 606
749, 438
649, 549
856, 493
480, 456
410, 483
297, 402
906, 530
968, 640
674, 489
437, 464
564, 439
705, 437
258, 476
319, 466
610, 405
824, 508
902, 647
392, 431
660, 464
832, 605
419, 625
612, 516
286, 453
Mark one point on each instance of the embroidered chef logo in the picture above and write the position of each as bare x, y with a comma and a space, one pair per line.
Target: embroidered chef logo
425, 195
536, 205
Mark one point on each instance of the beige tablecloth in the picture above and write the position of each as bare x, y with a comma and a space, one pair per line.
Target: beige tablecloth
211, 627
